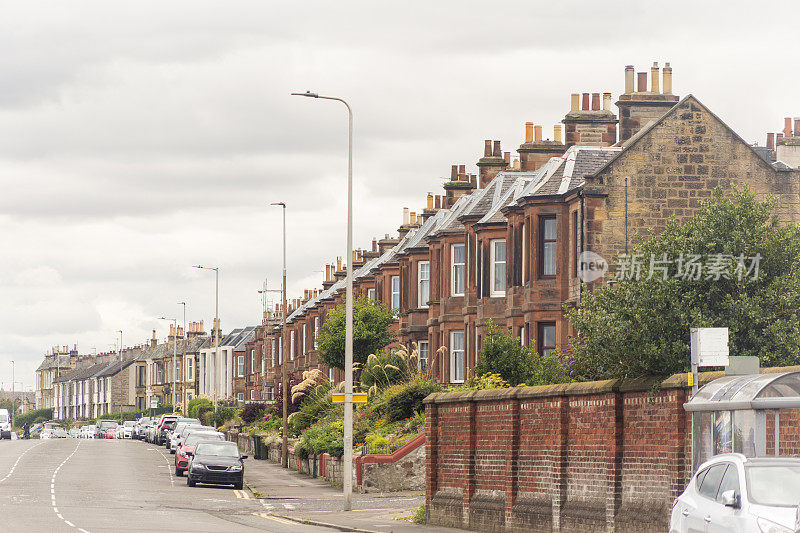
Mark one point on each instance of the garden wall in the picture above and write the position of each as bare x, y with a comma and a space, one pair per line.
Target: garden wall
599, 456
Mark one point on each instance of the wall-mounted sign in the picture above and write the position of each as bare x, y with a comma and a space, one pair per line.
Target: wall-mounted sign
709, 346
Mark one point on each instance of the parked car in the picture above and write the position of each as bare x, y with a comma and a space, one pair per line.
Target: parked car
5, 424
46, 433
736, 494
163, 425
59, 433
102, 425
172, 425
188, 445
74, 433
87, 432
139, 428
175, 434
127, 429
216, 462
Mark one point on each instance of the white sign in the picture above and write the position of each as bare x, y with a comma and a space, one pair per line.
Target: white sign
154, 402
709, 346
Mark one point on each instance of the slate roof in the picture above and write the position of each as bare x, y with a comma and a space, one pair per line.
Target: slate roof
423, 231
51, 361
510, 196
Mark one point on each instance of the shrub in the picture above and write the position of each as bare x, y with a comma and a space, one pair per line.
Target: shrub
198, 406
401, 401
386, 368
33, 417
252, 412
316, 405
420, 516
504, 355
324, 437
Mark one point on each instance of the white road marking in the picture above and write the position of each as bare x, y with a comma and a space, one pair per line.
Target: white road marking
169, 467
289, 507
10, 472
53, 484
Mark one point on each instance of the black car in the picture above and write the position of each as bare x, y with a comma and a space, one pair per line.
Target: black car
216, 462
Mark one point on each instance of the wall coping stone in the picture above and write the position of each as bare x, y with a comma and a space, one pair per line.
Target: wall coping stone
676, 381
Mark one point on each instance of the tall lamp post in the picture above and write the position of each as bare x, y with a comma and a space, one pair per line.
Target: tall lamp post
174, 355
121, 388
284, 373
183, 363
12, 394
216, 325
347, 478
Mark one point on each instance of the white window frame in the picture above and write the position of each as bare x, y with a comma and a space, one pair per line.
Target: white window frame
291, 345
177, 369
303, 343
424, 355
280, 349
316, 331
371, 295
494, 263
240, 366
239, 396
252, 362
252, 394
395, 287
274, 351
422, 303
189, 368
460, 352
454, 269
331, 376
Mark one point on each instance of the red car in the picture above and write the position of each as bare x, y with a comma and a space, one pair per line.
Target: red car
108, 434
189, 443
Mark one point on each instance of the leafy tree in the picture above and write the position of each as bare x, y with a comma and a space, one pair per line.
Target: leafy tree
371, 321
640, 327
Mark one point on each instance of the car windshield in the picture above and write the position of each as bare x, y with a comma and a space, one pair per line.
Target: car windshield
774, 485
3, 418
189, 429
103, 424
220, 449
129, 424
194, 438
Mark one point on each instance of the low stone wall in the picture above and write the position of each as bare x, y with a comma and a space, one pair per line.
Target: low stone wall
404, 470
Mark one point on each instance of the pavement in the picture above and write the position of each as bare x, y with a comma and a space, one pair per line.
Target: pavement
296, 496
95, 486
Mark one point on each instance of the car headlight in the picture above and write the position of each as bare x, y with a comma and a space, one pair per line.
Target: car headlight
198, 466
768, 526
235, 468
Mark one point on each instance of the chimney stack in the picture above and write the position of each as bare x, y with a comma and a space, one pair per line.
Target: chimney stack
654, 77
488, 167
667, 77
629, 79
575, 102
529, 131
641, 82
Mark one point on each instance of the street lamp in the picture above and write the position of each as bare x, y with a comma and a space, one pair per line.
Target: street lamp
348, 351
12, 394
121, 388
174, 354
216, 325
183, 363
284, 378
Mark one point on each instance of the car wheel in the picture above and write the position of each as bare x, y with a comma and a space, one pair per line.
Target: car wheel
178, 472
172, 451
190, 481
238, 486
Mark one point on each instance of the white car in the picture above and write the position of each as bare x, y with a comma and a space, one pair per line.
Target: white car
126, 430
5, 424
734, 494
87, 432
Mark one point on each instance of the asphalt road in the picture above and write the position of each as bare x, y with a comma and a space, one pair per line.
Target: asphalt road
94, 486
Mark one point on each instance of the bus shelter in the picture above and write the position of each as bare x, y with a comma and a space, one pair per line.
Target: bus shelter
734, 414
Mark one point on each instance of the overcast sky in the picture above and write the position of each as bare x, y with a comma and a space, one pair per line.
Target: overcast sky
138, 139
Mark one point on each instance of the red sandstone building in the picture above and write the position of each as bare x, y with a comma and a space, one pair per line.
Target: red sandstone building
504, 246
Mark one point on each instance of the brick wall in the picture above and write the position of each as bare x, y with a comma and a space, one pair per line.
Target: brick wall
597, 456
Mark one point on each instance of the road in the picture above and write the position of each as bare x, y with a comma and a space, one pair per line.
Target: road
94, 486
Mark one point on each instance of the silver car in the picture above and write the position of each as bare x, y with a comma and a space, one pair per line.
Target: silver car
732, 493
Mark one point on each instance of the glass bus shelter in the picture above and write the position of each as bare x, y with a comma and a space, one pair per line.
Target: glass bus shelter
735, 413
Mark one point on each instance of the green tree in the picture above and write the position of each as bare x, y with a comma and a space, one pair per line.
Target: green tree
371, 321
640, 327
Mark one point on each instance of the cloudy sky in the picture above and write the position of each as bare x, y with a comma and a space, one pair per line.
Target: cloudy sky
138, 139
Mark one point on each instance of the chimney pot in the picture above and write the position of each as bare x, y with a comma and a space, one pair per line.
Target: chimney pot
537, 133
654, 77
487, 148
375, 241
585, 102
438, 202
497, 151
473, 180
642, 82
628, 79
575, 102
787, 127
454, 173
507, 158
413, 218
462, 170
595, 101
771, 141
429, 205
797, 127
406, 218
557, 133
516, 164
606, 101
666, 74
528, 132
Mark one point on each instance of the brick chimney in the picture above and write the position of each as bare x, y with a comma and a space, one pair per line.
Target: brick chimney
459, 184
535, 151
387, 243
638, 108
787, 149
491, 163
154, 340
591, 124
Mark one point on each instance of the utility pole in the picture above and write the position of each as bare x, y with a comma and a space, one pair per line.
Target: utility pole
284, 373
121, 387
215, 330
183, 364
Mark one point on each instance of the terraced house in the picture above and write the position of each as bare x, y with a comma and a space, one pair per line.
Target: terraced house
505, 246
